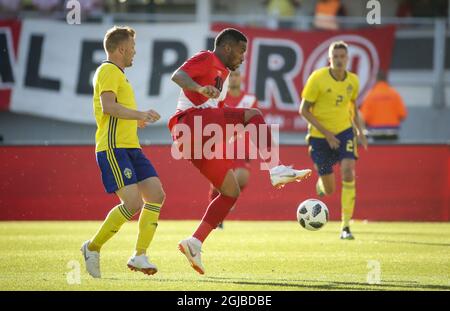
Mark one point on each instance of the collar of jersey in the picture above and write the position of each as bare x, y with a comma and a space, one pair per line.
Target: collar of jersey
110, 62
334, 78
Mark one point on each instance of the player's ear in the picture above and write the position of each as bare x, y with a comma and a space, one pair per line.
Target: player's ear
121, 48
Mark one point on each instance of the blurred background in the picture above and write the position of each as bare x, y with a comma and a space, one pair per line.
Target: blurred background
418, 63
48, 56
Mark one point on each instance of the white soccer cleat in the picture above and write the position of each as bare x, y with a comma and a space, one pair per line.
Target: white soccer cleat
281, 175
141, 263
191, 248
92, 260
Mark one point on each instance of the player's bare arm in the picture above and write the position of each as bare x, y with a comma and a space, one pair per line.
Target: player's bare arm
306, 113
112, 108
185, 82
359, 125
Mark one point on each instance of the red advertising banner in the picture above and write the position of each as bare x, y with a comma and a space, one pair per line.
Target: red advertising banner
394, 183
9, 44
279, 62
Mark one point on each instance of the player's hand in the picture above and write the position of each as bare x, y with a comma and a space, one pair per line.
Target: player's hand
363, 140
154, 115
332, 140
209, 91
142, 124
150, 116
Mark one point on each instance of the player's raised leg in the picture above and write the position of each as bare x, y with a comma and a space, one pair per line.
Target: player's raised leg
279, 174
348, 196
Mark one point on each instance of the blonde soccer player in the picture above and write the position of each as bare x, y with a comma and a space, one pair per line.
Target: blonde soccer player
328, 104
125, 170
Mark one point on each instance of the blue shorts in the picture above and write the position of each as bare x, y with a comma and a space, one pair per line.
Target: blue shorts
324, 157
123, 166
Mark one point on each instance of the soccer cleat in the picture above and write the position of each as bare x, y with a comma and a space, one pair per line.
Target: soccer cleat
346, 234
281, 175
319, 191
192, 250
92, 260
141, 263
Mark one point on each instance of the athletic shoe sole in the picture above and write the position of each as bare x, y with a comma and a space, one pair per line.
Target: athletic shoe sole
147, 271
193, 265
281, 184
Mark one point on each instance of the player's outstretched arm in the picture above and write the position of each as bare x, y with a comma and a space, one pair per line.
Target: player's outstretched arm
187, 83
112, 108
305, 112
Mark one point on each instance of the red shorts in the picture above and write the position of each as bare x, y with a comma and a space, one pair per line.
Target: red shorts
240, 162
213, 169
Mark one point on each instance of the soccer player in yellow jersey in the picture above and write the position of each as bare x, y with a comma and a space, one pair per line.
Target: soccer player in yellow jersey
124, 168
328, 104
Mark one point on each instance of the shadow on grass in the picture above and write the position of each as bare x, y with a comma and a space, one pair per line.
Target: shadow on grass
330, 285
381, 232
414, 242
305, 284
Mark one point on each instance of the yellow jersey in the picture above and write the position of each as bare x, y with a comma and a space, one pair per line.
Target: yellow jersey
331, 100
114, 132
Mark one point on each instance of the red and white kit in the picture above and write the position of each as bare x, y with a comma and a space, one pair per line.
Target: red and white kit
205, 68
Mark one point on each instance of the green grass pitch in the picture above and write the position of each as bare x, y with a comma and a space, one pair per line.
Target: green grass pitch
244, 256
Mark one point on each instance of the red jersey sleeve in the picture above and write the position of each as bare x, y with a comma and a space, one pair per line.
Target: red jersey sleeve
198, 65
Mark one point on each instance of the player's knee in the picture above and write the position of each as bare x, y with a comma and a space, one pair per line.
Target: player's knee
133, 205
230, 186
231, 191
348, 174
160, 196
329, 189
242, 180
243, 183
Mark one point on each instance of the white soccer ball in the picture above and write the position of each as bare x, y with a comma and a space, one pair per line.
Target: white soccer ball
312, 214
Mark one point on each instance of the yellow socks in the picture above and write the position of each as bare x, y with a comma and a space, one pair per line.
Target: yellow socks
115, 219
148, 221
347, 201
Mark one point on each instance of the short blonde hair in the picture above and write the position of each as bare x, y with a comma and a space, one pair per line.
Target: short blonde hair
337, 45
117, 35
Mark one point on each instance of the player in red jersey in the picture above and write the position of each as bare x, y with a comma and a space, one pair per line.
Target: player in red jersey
236, 98
203, 80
